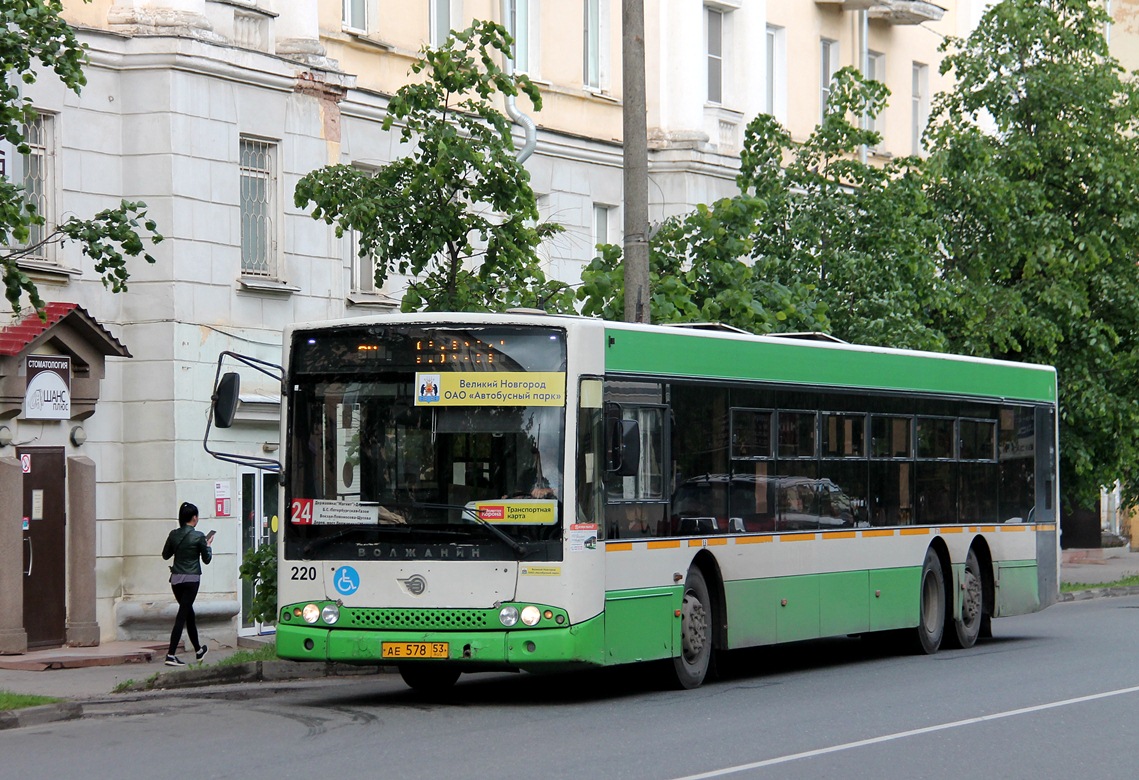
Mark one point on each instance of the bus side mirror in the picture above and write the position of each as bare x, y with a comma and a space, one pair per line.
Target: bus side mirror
225, 399
623, 447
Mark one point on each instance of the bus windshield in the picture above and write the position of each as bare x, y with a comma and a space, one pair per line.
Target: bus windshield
412, 442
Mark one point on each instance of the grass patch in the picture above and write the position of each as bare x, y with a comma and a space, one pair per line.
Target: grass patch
1126, 582
266, 653
15, 701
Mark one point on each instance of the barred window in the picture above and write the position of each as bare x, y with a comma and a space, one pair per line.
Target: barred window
258, 207
39, 179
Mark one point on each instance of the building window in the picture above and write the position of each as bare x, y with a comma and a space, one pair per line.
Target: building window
522, 14
714, 49
876, 70
258, 207
442, 21
775, 99
602, 215
38, 178
363, 268
591, 65
828, 67
355, 15
920, 110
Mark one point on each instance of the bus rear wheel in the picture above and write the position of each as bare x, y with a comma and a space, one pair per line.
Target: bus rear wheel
428, 677
931, 595
691, 666
967, 627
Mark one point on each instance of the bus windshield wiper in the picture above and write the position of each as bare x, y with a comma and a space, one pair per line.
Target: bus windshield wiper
465, 511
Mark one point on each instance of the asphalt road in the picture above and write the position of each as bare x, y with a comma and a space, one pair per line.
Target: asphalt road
1053, 695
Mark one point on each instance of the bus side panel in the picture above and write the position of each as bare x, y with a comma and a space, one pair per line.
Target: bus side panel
798, 615
844, 601
895, 601
753, 607
641, 625
1018, 588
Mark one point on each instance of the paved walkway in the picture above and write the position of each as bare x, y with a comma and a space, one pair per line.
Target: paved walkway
90, 673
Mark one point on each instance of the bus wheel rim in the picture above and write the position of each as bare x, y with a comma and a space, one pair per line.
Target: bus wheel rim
695, 625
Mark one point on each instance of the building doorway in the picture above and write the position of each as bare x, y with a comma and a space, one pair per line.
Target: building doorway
259, 524
45, 545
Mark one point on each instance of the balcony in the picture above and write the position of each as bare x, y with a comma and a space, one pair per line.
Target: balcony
891, 11
849, 5
906, 11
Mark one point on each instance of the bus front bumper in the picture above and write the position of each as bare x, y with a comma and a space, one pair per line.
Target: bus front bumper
580, 644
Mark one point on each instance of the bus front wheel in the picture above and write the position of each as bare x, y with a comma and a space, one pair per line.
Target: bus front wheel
428, 677
931, 595
967, 628
691, 666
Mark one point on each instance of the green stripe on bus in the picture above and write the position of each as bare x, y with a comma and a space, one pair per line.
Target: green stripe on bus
682, 355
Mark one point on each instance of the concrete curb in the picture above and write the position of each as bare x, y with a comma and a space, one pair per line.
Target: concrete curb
254, 671
37, 716
1098, 593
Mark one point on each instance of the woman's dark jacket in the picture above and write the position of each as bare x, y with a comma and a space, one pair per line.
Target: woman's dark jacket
186, 545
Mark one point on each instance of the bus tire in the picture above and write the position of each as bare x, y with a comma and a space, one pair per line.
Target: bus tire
931, 603
967, 627
429, 677
691, 666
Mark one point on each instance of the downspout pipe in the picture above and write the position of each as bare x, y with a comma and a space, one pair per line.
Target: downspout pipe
511, 104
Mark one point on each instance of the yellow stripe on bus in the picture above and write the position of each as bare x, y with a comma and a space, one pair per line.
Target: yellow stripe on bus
619, 546
663, 545
988, 529
872, 534
915, 531
715, 542
839, 535
754, 539
1014, 528
797, 537
952, 529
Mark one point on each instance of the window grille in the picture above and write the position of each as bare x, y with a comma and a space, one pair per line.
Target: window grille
39, 180
258, 203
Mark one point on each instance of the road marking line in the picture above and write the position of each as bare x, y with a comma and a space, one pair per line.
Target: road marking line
731, 770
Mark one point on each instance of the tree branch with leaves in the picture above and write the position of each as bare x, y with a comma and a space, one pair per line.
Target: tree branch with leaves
34, 36
457, 215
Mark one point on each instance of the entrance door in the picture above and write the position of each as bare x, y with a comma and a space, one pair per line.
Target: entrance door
45, 546
259, 522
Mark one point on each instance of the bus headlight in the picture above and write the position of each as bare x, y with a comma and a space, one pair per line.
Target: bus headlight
330, 614
531, 615
311, 613
508, 616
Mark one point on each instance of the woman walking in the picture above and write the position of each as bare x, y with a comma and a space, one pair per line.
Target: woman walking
187, 546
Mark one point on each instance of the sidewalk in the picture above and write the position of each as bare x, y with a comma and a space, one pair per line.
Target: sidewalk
89, 674
1092, 567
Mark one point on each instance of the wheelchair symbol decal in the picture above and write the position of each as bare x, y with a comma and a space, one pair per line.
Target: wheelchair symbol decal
346, 580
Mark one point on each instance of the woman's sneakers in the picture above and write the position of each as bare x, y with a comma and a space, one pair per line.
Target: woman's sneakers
200, 653
173, 660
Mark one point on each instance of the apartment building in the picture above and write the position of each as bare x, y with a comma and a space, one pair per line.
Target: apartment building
210, 111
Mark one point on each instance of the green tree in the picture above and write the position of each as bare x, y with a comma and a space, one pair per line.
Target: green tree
458, 213
815, 240
1034, 178
35, 36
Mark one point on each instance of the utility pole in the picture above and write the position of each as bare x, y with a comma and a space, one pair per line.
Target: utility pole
636, 161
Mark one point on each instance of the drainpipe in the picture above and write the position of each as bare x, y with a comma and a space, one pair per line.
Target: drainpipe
511, 105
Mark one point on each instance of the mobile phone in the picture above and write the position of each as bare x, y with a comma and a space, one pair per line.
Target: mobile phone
210, 535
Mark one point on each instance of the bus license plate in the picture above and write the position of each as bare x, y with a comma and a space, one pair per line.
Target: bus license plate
415, 650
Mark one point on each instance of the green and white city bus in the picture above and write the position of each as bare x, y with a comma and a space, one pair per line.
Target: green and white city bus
486, 492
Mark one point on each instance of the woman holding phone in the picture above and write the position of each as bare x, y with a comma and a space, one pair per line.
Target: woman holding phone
187, 546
